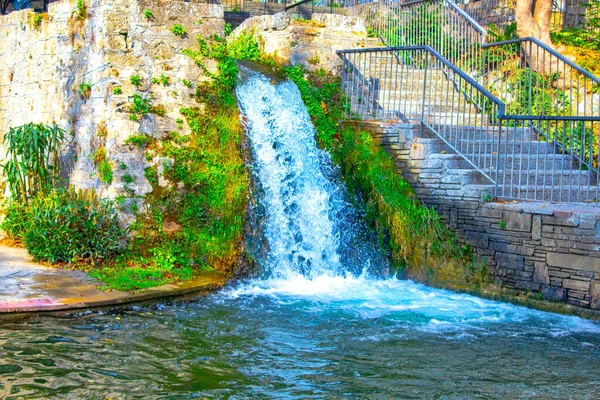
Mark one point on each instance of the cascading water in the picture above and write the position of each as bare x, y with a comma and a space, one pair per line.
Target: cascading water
310, 229
313, 326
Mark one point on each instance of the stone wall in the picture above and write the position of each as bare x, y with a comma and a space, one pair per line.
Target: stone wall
538, 247
42, 68
310, 43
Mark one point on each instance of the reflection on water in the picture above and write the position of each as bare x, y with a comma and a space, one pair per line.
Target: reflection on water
333, 338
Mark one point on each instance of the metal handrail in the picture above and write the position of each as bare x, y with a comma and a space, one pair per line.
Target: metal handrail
550, 50
525, 157
442, 59
462, 12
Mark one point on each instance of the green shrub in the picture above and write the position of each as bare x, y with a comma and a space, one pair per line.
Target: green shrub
81, 10
15, 222
245, 47
105, 172
33, 163
67, 225
117, 90
85, 89
127, 179
148, 15
137, 140
135, 80
178, 30
187, 83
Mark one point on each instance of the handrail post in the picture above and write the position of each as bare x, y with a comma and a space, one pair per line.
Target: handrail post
424, 94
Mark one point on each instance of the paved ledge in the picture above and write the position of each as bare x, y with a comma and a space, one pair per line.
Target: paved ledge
29, 287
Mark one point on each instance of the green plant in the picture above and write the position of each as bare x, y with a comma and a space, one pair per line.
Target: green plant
371, 33
187, 83
85, 89
37, 21
81, 10
135, 80
151, 174
137, 140
99, 155
178, 30
127, 179
486, 197
501, 224
139, 107
117, 90
314, 60
244, 47
165, 80
122, 166
33, 159
228, 29
66, 225
148, 14
105, 172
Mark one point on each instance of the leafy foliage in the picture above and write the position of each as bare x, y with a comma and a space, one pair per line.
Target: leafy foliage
65, 225
81, 10
245, 47
178, 30
135, 80
33, 165
200, 224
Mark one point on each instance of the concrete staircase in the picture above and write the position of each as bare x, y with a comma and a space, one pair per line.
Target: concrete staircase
513, 156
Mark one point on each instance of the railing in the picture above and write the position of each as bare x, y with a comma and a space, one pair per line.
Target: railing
7, 6
298, 8
415, 83
440, 24
304, 9
528, 157
533, 79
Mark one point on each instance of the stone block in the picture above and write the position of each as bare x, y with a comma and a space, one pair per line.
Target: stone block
554, 293
536, 227
572, 284
479, 240
516, 221
490, 211
540, 273
573, 261
595, 294
504, 247
527, 285
510, 261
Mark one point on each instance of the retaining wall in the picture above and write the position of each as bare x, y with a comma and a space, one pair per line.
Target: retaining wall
539, 247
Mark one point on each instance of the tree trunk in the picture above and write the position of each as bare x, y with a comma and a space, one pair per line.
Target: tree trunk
533, 19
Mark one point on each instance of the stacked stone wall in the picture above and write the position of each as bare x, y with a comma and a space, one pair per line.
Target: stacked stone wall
546, 248
42, 68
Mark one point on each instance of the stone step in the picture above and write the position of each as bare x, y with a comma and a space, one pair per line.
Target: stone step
550, 194
487, 132
493, 147
550, 162
566, 178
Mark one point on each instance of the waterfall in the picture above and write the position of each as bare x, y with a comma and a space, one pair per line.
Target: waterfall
309, 226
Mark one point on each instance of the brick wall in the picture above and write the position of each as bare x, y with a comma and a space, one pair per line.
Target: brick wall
540, 247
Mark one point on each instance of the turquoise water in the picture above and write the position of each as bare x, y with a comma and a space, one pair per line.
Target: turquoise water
320, 322
334, 338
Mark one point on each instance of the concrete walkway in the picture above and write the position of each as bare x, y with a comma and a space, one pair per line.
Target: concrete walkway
29, 287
